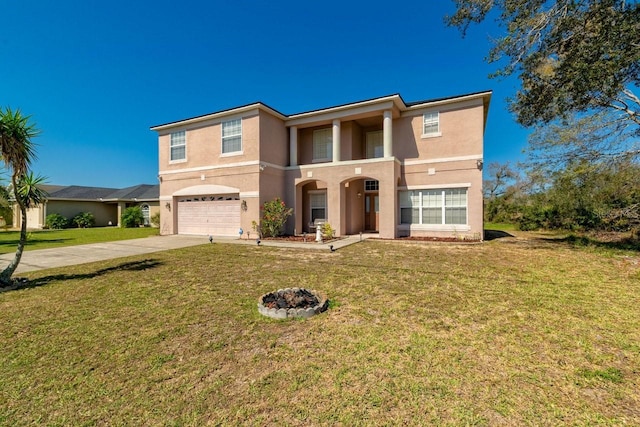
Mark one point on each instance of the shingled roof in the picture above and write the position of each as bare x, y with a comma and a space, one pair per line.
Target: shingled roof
137, 192
76, 192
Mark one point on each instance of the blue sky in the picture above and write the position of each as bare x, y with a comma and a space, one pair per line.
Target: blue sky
96, 75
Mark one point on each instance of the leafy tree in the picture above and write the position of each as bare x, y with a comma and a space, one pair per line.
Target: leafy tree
500, 191
132, 217
55, 221
574, 58
274, 217
17, 151
583, 196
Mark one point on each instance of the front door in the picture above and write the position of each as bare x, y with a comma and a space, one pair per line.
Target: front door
371, 209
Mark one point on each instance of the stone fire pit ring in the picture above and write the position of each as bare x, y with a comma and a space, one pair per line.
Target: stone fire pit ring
292, 302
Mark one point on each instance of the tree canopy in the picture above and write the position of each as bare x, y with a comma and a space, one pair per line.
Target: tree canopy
572, 56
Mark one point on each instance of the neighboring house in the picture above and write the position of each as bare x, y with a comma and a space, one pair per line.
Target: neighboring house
380, 165
106, 204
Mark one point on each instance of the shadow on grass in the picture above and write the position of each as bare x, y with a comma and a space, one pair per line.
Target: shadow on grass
626, 243
146, 264
32, 242
496, 234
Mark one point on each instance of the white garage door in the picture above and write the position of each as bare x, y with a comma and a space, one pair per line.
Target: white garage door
209, 215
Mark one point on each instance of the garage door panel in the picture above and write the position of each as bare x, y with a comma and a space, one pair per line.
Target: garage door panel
216, 217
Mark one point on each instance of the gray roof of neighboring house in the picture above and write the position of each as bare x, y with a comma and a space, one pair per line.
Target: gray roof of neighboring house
137, 192
77, 192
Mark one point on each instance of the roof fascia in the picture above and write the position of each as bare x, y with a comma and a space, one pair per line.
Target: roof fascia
219, 114
332, 113
485, 96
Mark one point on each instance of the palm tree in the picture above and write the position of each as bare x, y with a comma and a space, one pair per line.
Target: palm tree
17, 151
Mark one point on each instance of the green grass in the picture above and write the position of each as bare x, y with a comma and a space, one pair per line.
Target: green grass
43, 239
508, 332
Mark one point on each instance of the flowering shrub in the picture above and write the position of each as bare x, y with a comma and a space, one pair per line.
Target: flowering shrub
274, 216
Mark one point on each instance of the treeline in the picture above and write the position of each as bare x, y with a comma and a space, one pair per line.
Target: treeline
584, 196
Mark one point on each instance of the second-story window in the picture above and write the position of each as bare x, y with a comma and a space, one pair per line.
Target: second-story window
431, 124
232, 136
323, 145
178, 146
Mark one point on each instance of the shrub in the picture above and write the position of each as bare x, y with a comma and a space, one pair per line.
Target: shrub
132, 217
274, 216
56, 221
155, 219
327, 231
84, 220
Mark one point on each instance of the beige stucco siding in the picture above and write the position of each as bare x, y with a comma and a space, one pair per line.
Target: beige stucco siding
102, 212
204, 144
274, 140
461, 129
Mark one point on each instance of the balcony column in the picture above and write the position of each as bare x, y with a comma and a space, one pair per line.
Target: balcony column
293, 146
387, 132
336, 140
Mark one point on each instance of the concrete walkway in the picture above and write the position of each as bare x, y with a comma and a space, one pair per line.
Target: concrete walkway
42, 259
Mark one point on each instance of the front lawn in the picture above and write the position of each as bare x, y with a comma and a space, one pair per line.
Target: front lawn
508, 332
43, 239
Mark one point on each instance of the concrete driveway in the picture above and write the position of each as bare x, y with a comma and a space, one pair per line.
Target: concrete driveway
42, 259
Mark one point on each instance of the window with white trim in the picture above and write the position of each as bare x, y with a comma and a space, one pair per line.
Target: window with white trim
232, 136
146, 214
434, 207
178, 146
375, 147
431, 124
318, 203
323, 145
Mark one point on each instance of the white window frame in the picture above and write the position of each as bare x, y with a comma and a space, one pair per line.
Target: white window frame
183, 136
417, 194
322, 136
312, 207
429, 121
146, 213
226, 137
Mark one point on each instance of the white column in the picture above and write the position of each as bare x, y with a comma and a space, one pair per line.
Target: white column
387, 132
293, 146
336, 140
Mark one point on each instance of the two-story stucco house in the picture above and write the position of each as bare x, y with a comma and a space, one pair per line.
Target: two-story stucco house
381, 165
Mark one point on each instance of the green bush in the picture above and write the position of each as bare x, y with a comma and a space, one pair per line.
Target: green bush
56, 221
274, 216
84, 220
327, 231
132, 217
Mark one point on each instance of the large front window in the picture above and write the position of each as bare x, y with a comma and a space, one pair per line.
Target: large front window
178, 146
232, 136
323, 145
318, 202
434, 207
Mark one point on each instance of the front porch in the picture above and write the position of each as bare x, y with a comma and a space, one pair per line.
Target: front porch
358, 196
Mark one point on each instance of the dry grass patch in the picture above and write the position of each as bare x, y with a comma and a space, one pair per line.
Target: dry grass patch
506, 332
